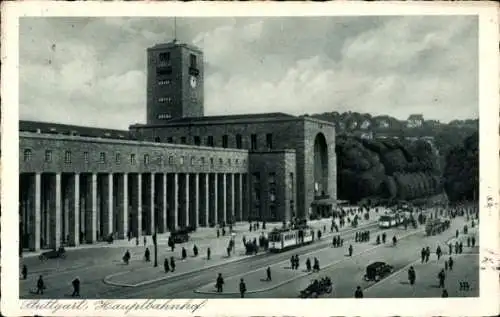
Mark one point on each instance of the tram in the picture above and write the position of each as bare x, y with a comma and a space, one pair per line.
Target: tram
390, 220
284, 239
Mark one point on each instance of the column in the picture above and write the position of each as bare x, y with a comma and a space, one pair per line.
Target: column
240, 197
74, 210
224, 198
196, 200
176, 201
55, 212
231, 197
186, 197
139, 206
122, 198
152, 209
206, 199
91, 210
107, 196
164, 224
246, 196
216, 199
35, 194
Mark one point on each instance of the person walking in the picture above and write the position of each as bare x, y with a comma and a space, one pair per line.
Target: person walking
172, 263
76, 287
268, 274
438, 252
219, 283
411, 275
350, 250
209, 252
24, 272
243, 288
441, 277
166, 267
358, 293
40, 285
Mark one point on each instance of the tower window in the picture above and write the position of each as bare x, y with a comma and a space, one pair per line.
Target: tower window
269, 141
132, 159
102, 157
192, 61
253, 140
118, 158
67, 157
48, 156
224, 141
239, 141
27, 155
86, 157
146, 159
164, 116
164, 82
164, 57
165, 99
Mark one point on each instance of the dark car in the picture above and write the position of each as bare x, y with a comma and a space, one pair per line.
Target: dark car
180, 236
53, 254
377, 271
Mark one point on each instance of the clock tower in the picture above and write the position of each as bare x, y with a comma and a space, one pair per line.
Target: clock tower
174, 82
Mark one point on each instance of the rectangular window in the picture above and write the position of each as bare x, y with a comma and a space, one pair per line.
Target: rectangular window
192, 61
181, 160
170, 139
269, 141
165, 99
48, 156
210, 140
221, 161
27, 155
197, 141
102, 157
146, 159
272, 178
132, 159
67, 157
211, 161
164, 116
239, 141
237, 161
193, 160
170, 160
164, 57
229, 161
183, 140
86, 157
224, 141
202, 160
118, 158
253, 141
160, 160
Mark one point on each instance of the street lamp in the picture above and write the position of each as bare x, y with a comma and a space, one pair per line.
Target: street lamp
155, 245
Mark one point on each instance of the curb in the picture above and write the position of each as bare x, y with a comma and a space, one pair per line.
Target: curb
302, 275
108, 282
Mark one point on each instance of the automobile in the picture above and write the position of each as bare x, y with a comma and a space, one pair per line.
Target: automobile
180, 236
377, 271
53, 254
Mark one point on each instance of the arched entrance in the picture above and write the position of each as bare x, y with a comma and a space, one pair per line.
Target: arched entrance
321, 205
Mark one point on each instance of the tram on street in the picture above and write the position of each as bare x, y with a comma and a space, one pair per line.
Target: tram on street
390, 220
284, 239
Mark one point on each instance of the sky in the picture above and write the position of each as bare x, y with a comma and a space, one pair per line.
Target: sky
92, 71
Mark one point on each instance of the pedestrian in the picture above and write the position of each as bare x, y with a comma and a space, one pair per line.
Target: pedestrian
218, 233
341, 242
76, 287
468, 241
319, 234
450, 248
126, 257
334, 241
171, 244
144, 239
24, 272
383, 237
166, 267
183, 253
147, 255
444, 294
350, 250
195, 250
441, 277
356, 237
456, 233
308, 265
40, 285
208, 253
412, 275
460, 247
172, 263
438, 252
243, 288
427, 254
297, 261
268, 273
316, 265
450, 264
456, 247
136, 241
219, 283
358, 293
473, 241
292, 262
423, 254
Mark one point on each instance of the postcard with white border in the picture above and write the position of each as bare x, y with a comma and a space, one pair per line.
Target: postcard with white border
239, 159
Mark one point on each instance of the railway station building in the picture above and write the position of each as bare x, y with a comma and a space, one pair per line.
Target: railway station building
179, 169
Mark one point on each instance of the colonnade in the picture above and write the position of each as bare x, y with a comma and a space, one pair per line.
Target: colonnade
69, 209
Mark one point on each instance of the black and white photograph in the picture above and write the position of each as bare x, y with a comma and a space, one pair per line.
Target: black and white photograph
250, 157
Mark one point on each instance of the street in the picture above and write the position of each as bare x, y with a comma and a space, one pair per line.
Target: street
195, 277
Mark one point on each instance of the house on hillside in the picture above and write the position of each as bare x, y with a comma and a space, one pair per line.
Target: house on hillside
415, 121
381, 122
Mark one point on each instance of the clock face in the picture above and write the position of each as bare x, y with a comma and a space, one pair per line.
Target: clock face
193, 81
